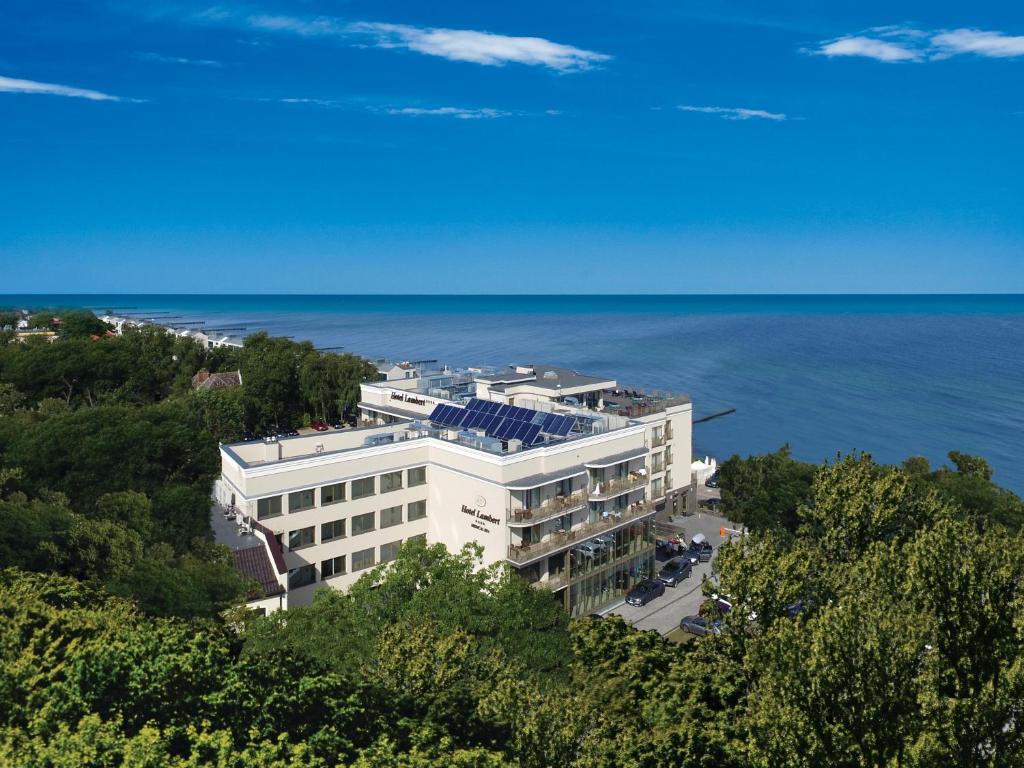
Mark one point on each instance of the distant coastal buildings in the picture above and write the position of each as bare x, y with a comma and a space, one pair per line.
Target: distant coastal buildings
207, 337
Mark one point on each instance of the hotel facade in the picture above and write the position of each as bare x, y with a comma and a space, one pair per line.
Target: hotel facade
557, 474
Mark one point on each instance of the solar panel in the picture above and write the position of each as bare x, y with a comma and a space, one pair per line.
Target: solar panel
563, 429
434, 414
548, 421
505, 429
531, 434
502, 410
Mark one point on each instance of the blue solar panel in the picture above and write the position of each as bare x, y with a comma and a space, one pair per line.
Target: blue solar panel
434, 414
506, 429
473, 419
548, 421
502, 410
531, 434
568, 422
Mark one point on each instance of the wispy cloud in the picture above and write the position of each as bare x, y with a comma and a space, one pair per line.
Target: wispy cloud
11, 85
906, 44
733, 113
459, 113
150, 56
468, 45
303, 100
480, 47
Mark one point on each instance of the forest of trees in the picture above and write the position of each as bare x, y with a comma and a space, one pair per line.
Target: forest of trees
122, 641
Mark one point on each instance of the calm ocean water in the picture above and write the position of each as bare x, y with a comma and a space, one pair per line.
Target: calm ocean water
892, 375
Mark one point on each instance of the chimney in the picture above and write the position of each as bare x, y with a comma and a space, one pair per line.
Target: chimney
271, 449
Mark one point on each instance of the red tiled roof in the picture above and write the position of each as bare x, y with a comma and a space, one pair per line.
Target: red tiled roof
254, 563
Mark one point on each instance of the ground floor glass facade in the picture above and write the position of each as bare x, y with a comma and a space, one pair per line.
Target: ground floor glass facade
597, 581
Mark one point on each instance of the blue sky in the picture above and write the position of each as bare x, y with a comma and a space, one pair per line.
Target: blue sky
662, 146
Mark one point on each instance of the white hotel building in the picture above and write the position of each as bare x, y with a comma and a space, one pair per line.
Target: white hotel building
560, 475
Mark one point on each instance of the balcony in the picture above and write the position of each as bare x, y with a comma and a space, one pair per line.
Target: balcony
609, 489
559, 505
658, 440
527, 553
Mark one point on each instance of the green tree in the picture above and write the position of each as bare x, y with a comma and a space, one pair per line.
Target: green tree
765, 491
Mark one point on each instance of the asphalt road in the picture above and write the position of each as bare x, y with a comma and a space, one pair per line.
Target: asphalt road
663, 613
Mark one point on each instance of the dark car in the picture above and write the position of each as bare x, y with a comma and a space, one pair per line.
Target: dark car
700, 626
712, 482
319, 426
644, 592
675, 570
337, 425
700, 552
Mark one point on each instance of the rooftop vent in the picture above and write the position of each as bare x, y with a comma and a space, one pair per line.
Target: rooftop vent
550, 375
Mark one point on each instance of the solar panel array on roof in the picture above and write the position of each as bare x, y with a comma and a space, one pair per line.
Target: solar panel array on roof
505, 422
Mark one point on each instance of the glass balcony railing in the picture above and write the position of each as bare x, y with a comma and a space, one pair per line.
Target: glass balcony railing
525, 553
607, 489
559, 505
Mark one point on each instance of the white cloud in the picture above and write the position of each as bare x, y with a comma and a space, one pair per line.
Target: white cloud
899, 44
733, 113
11, 85
991, 44
149, 56
880, 50
301, 100
458, 113
454, 44
480, 47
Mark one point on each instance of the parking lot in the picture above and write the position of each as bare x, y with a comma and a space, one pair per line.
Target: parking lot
663, 613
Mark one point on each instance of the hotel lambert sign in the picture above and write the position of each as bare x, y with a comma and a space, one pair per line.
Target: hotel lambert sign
479, 518
411, 399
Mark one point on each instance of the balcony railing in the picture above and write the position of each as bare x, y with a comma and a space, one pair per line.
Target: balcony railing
525, 553
608, 489
559, 505
658, 440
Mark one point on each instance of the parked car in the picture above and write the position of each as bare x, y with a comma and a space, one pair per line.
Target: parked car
337, 425
700, 550
644, 592
590, 549
712, 482
712, 504
700, 626
319, 426
675, 570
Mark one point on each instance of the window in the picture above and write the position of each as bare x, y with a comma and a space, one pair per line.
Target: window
362, 560
391, 516
417, 510
363, 488
418, 537
362, 524
391, 481
389, 552
268, 507
332, 530
332, 494
657, 487
417, 476
300, 577
300, 500
301, 538
333, 567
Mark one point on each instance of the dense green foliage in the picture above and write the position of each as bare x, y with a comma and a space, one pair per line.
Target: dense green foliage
107, 454
767, 491
878, 612
907, 652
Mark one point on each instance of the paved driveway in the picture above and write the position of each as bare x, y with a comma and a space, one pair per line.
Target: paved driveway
663, 613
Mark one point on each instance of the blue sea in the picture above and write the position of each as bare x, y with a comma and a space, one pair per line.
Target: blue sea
895, 376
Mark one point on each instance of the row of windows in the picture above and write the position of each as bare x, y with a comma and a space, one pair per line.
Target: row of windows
336, 566
335, 529
335, 493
